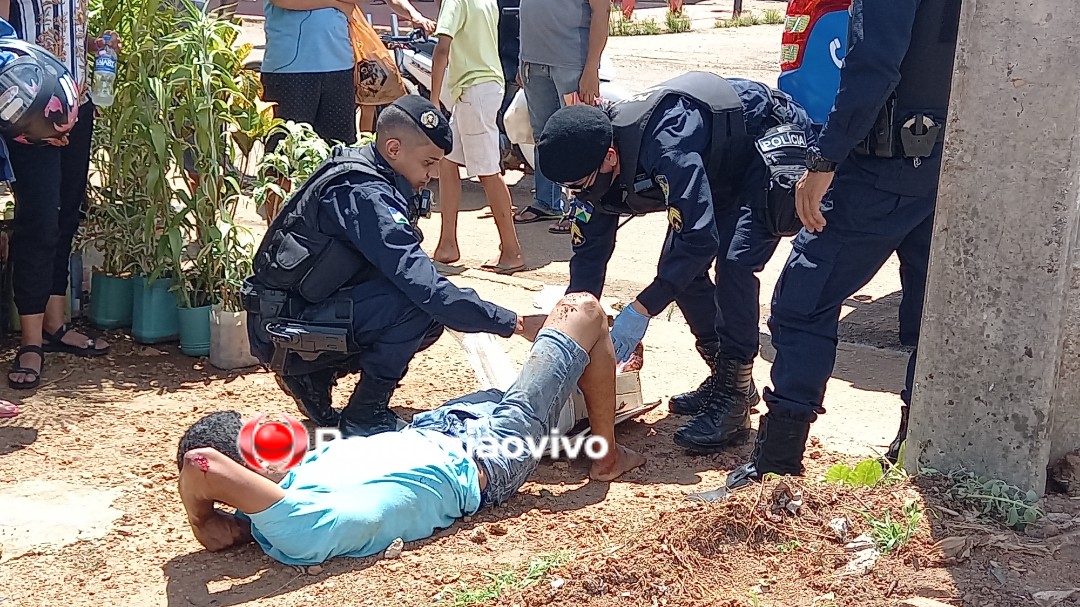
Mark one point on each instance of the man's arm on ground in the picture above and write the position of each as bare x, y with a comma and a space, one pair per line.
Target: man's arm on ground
207, 477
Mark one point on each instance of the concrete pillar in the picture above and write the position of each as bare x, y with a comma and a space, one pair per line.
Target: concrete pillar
998, 374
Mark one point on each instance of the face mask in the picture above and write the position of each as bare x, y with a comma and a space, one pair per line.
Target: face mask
596, 191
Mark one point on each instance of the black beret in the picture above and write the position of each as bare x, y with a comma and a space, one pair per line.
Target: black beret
430, 120
574, 142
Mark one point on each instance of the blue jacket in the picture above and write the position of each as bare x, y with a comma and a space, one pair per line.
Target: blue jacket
372, 216
675, 146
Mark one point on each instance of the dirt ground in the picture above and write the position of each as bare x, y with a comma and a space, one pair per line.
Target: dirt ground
89, 513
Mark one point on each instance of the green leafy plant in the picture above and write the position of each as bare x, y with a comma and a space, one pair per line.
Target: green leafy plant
745, 19
678, 21
773, 17
536, 570
888, 534
867, 473
788, 547
620, 25
298, 153
995, 499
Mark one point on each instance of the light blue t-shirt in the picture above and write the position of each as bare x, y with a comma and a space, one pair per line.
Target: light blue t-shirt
356, 495
306, 41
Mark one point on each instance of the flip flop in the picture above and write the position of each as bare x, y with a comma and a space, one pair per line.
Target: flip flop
8, 410
498, 268
563, 227
538, 215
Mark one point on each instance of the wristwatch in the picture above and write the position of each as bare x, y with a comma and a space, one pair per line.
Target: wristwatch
816, 163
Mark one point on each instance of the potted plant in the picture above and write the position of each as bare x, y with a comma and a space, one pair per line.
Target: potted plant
283, 170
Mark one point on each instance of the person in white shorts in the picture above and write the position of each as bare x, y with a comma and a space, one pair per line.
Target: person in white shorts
468, 32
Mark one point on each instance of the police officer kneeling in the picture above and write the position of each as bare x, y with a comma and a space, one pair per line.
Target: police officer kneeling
720, 157
341, 284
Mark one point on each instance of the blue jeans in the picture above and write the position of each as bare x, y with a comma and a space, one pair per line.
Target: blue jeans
545, 86
528, 410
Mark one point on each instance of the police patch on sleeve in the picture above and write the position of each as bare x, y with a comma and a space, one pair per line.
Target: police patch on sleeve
581, 210
674, 218
576, 237
397, 216
661, 180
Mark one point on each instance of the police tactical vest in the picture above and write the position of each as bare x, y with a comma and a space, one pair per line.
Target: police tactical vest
295, 256
927, 69
925, 83
645, 194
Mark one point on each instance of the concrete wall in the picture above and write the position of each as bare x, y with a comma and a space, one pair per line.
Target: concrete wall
1002, 287
1065, 421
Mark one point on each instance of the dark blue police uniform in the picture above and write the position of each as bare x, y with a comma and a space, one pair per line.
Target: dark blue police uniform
897, 74
341, 285
711, 224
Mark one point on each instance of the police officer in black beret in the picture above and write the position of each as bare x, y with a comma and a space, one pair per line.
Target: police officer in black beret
720, 157
341, 284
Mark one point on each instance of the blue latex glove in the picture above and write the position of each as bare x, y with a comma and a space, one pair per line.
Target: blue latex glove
627, 332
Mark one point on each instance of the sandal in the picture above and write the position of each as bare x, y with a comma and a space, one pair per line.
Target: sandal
537, 215
17, 368
563, 227
54, 342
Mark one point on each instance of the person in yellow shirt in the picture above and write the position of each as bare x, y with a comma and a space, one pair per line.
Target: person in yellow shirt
468, 32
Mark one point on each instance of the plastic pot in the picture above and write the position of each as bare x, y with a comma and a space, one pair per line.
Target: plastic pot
229, 344
111, 301
154, 317
194, 330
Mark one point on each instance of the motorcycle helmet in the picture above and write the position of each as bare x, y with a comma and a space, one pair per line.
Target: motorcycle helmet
38, 96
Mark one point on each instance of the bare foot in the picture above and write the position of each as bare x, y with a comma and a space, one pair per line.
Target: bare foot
446, 254
609, 469
8, 409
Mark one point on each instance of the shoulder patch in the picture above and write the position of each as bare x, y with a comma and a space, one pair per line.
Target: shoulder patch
576, 237
661, 180
581, 210
674, 218
397, 216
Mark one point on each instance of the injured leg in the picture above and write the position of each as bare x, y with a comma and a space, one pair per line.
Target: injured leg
581, 317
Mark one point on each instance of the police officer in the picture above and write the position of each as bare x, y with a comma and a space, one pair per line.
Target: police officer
720, 157
883, 139
341, 284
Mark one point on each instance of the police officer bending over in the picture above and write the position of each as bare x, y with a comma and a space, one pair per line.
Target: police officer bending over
884, 139
341, 284
720, 157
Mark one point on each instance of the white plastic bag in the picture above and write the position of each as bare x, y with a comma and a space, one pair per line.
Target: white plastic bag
516, 119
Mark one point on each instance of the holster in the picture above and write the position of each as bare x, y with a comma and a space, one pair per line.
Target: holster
301, 345
910, 136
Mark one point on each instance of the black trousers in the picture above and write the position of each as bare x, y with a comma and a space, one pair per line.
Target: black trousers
326, 101
50, 196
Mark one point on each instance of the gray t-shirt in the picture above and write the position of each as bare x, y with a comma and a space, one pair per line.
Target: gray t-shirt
555, 32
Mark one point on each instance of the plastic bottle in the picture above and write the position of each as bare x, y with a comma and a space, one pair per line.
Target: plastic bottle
105, 63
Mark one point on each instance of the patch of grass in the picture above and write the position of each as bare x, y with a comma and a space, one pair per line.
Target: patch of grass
995, 499
773, 17
788, 547
744, 20
619, 25
536, 570
678, 22
889, 534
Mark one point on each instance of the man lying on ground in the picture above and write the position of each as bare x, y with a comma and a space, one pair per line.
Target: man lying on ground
355, 495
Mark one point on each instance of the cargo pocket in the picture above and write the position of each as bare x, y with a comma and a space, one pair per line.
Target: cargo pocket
800, 292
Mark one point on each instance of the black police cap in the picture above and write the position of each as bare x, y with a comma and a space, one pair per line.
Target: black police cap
574, 143
430, 120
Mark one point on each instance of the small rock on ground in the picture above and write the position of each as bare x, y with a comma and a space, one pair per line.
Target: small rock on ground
394, 551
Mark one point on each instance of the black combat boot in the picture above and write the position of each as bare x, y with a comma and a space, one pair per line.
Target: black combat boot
368, 411
893, 454
312, 394
715, 386
779, 449
725, 420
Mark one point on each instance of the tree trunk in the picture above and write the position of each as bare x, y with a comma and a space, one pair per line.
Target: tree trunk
737, 10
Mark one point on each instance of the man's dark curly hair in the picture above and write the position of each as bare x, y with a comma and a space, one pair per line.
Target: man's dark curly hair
220, 430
